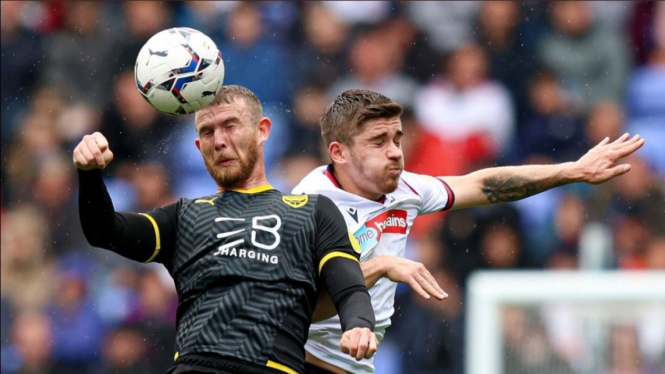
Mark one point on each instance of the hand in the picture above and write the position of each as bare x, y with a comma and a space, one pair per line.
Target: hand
597, 165
92, 152
359, 343
414, 274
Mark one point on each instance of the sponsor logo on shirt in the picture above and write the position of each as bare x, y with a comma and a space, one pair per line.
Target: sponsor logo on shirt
388, 222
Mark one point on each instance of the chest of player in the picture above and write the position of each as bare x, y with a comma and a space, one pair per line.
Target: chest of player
381, 229
253, 236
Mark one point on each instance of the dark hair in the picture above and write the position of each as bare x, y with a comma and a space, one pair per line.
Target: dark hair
344, 118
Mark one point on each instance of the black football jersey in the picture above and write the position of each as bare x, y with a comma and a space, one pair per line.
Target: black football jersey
246, 266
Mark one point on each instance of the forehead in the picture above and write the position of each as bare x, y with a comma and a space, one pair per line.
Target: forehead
379, 126
221, 112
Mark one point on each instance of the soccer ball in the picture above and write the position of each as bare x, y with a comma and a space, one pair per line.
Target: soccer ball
179, 70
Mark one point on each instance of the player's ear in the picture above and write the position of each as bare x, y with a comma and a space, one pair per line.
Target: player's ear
198, 144
263, 129
336, 152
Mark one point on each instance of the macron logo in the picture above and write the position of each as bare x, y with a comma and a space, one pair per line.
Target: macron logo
353, 212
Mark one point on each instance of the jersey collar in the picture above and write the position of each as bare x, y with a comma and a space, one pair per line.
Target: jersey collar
258, 189
329, 173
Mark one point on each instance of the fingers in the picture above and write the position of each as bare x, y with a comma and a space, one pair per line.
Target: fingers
417, 288
79, 160
439, 293
432, 287
359, 343
373, 346
629, 147
621, 139
345, 343
93, 148
101, 141
619, 170
92, 152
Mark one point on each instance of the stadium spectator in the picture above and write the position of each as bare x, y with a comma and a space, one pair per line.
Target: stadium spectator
646, 109
655, 253
143, 19
375, 65
322, 54
31, 346
592, 63
308, 103
448, 25
19, 70
467, 107
124, 352
152, 185
359, 12
552, 131
418, 59
134, 125
79, 57
27, 261
78, 330
156, 315
510, 54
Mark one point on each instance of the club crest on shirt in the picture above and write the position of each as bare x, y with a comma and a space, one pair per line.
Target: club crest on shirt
295, 201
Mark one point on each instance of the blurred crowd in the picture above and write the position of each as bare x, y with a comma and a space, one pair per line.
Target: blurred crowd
483, 84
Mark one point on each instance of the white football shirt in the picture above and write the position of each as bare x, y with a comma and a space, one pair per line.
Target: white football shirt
381, 228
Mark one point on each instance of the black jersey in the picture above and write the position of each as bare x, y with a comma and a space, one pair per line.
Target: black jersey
247, 266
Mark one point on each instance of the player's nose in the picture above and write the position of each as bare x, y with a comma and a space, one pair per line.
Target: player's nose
394, 152
220, 140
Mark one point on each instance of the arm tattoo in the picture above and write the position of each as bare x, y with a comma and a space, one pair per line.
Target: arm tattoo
511, 187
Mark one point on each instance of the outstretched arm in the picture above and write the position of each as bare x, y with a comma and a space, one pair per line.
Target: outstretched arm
511, 183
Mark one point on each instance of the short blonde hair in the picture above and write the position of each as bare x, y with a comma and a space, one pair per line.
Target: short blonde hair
229, 94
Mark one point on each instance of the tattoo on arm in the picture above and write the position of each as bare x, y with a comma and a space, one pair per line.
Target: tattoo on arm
510, 187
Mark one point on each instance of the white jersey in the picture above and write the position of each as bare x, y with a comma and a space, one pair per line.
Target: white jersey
381, 228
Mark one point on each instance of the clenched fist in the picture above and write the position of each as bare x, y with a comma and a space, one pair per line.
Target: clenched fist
359, 343
92, 152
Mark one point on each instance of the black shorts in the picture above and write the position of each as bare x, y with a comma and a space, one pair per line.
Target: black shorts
217, 364
313, 369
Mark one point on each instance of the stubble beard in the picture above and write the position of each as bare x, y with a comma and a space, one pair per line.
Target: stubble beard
232, 177
384, 183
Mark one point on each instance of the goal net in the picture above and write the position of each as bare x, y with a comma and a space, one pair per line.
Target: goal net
566, 322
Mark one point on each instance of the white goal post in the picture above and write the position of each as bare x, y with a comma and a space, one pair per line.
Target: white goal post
489, 290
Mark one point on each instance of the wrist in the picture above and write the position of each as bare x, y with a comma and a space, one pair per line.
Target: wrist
573, 172
373, 270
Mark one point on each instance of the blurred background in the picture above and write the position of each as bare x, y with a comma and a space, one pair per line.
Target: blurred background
483, 83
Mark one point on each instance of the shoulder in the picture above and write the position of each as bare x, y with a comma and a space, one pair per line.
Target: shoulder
418, 183
314, 182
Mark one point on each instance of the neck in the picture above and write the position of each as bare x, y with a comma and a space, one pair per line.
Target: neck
347, 184
249, 183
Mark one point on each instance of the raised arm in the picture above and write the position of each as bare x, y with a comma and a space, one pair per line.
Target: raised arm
140, 237
511, 183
